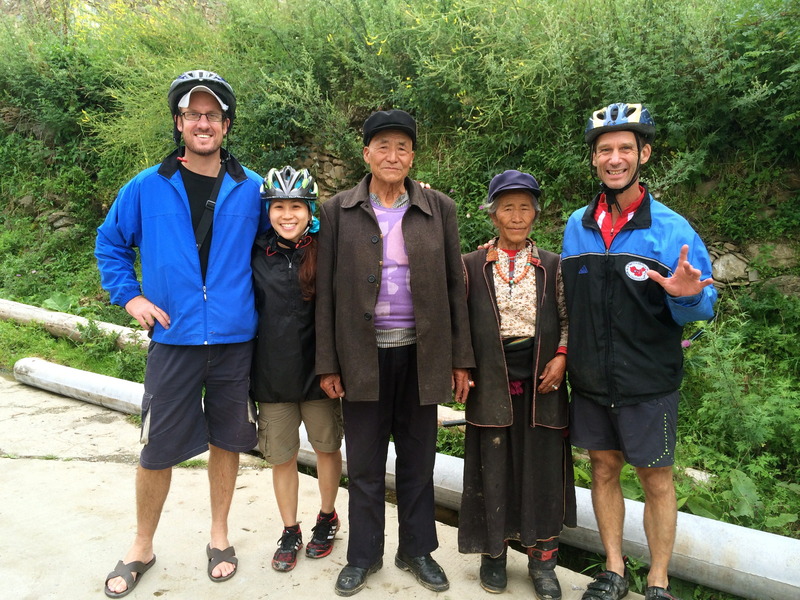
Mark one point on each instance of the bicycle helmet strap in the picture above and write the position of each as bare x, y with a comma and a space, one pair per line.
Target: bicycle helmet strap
611, 193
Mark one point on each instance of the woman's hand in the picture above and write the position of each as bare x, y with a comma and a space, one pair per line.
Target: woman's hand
461, 383
553, 375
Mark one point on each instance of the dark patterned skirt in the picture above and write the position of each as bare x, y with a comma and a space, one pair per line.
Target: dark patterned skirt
518, 482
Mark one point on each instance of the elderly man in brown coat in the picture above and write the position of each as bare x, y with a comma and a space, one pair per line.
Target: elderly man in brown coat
392, 342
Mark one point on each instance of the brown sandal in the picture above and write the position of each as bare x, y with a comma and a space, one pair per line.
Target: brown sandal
216, 556
126, 571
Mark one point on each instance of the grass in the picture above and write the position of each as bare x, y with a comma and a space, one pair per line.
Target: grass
193, 463
97, 353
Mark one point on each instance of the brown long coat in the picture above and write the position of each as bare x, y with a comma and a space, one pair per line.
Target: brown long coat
489, 404
349, 278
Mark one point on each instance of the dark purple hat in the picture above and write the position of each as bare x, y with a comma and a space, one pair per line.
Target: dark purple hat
514, 180
390, 119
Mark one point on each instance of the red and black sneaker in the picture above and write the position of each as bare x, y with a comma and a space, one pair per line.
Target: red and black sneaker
325, 530
289, 545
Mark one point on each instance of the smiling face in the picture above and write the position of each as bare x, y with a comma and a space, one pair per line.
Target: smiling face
513, 218
616, 157
389, 156
289, 218
202, 138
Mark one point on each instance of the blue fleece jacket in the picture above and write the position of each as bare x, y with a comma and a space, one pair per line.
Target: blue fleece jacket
152, 213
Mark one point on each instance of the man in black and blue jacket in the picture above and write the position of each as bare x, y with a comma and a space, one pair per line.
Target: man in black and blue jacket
634, 273
193, 219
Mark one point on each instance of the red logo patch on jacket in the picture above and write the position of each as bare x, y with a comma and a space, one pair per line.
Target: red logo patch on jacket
636, 270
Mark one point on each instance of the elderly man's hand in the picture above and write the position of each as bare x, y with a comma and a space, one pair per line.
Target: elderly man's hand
331, 384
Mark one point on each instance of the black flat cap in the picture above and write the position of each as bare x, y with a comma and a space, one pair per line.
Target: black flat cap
390, 119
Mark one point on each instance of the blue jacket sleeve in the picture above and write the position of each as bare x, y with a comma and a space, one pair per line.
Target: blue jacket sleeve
114, 247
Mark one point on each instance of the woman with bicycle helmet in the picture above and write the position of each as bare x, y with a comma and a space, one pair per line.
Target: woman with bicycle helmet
283, 381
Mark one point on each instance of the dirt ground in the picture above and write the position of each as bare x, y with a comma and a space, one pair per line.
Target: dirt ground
66, 516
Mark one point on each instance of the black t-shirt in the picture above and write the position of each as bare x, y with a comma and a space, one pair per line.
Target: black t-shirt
198, 189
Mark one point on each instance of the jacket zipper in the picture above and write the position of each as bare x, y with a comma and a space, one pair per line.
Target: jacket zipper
205, 311
609, 342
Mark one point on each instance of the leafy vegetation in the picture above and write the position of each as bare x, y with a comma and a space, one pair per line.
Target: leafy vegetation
450, 440
740, 414
97, 352
498, 85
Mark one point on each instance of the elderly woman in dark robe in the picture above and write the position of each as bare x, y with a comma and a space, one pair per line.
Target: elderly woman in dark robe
518, 478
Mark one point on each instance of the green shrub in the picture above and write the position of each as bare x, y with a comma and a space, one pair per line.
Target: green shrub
450, 441
740, 413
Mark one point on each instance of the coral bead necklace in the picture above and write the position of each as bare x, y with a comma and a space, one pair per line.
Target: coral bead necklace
503, 266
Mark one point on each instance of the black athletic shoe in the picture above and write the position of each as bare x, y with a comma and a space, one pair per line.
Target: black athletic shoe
289, 545
324, 531
658, 593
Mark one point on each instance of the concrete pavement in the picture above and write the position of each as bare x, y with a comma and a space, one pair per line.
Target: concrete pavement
66, 517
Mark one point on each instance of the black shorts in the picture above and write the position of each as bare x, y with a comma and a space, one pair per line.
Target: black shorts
195, 396
644, 433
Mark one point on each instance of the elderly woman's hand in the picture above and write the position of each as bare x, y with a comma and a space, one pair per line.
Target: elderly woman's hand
461, 384
553, 375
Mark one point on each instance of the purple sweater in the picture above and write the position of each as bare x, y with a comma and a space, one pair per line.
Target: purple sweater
393, 309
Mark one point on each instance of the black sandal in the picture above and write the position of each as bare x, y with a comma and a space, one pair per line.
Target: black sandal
658, 593
607, 585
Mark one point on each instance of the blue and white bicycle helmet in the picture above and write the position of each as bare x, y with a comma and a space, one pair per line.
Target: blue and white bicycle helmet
620, 116
288, 184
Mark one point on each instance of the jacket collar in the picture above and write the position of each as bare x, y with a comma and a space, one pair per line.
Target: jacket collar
416, 195
642, 218
169, 166
268, 242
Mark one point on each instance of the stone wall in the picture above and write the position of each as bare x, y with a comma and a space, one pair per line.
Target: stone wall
738, 266
331, 172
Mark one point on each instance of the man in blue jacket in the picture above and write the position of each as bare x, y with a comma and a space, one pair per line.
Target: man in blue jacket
193, 218
634, 273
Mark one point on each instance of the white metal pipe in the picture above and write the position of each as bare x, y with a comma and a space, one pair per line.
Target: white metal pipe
745, 562
119, 394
